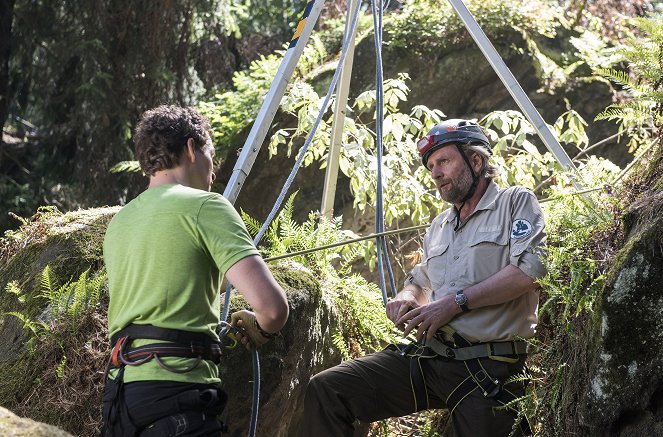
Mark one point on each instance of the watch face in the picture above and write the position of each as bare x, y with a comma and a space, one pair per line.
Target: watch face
461, 299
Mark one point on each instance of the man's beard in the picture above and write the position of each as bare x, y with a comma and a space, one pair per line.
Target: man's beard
459, 188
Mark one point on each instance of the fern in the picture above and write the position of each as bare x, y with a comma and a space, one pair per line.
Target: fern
364, 324
13, 288
126, 167
37, 329
644, 79
59, 372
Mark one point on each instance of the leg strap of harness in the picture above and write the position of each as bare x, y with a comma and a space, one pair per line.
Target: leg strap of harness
479, 378
418, 384
416, 353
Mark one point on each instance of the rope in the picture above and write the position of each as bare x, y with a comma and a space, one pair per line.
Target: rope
255, 405
277, 205
403, 230
302, 152
381, 243
346, 242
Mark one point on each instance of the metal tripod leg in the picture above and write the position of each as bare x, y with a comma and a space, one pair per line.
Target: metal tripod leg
514, 88
340, 105
272, 100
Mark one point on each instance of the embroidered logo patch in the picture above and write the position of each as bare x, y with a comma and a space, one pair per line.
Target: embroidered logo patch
521, 228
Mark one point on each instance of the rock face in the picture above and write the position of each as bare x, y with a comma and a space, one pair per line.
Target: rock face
287, 363
13, 426
625, 395
69, 244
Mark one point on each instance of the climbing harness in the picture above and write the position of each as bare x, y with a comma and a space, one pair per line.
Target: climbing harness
188, 407
179, 344
461, 349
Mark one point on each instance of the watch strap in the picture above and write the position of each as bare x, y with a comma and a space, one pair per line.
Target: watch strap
461, 300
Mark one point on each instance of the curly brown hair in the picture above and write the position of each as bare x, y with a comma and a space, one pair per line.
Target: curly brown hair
161, 135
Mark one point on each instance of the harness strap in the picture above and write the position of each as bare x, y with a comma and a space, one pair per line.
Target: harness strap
491, 388
418, 384
183, 344
494, 350
151, 332
459, 393
170, 350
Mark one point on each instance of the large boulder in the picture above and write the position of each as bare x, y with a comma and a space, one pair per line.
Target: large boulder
286, 364
625, 391
13, 426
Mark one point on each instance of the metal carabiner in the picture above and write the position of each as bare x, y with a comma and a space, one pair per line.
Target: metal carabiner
227, 335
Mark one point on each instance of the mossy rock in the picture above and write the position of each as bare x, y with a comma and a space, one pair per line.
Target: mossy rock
13, 426
68, 243
287, 363
625, 392
59, 379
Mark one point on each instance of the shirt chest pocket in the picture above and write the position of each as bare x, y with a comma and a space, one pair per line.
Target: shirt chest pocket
488, 253
436, 263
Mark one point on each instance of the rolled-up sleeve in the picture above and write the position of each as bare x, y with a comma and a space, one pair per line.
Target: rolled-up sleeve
528, 236
419, 274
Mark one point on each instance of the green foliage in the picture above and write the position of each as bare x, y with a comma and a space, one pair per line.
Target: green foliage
568, 259
570, 296
80, 73
126, 166
443, 28
59, 371
642, 52
275, 19
364, 324
68, 302
230, 112
407, 184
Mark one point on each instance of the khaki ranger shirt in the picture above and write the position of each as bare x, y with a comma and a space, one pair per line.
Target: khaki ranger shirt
507, 227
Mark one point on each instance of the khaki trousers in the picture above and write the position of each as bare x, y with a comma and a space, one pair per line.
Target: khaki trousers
377, 387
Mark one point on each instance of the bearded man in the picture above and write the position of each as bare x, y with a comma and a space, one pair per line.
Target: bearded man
471, 302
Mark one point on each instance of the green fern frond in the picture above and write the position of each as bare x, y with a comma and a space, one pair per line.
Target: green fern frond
13, 288
47, 283
61, 367
339, 342
126, 167
37, 329
252, 225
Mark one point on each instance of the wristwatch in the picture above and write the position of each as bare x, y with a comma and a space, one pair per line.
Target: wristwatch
461, 301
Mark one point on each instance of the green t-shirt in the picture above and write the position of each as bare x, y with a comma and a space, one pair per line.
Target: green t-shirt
166, 252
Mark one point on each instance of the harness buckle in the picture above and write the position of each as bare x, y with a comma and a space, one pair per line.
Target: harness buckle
497, 387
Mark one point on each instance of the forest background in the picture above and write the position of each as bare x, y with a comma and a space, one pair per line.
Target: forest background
76, 75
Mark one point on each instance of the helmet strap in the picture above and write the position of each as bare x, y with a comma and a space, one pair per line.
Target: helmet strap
473, 187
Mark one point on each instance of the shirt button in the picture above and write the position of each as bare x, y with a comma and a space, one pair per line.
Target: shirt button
452, 284
456, 257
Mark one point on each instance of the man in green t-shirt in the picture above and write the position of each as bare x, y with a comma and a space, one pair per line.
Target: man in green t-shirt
166, 253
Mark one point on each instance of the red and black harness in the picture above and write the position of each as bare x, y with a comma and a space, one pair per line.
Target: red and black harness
179, 343
173, 343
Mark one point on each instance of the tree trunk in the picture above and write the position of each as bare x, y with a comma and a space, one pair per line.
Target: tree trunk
6, 14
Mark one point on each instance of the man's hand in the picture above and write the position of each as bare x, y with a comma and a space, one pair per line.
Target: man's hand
246, 320
400, 305
430, 317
